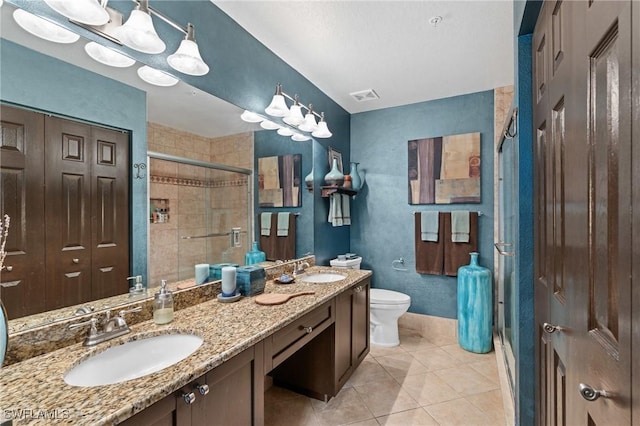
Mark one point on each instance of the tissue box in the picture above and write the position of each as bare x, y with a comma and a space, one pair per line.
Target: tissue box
250, 280
215, 271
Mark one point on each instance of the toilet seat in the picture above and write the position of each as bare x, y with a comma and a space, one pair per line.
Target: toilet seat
388, 297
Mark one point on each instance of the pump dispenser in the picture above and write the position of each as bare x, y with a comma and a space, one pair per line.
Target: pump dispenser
163, 305
137, 289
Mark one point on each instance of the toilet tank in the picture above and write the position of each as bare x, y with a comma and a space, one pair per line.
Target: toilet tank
346, 264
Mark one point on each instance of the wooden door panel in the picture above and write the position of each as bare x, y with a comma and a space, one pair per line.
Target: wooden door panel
21, 161
110, 213
68, 195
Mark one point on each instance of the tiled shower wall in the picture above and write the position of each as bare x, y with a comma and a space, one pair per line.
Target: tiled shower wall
201, 201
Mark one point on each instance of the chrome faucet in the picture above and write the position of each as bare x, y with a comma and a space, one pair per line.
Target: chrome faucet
112, 327
300, 268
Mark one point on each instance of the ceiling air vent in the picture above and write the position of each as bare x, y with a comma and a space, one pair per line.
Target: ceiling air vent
365, 95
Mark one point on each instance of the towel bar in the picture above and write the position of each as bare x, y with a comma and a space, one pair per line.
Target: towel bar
479, 212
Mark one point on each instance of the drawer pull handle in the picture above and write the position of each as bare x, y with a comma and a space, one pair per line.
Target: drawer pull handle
203, 389
550, 328
308, 330
591, 394
9, 268
189, 398
358, 289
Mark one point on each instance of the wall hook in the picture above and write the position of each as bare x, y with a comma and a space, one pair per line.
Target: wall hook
398, 262
139, 167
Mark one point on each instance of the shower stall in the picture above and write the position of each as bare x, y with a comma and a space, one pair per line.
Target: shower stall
199, 212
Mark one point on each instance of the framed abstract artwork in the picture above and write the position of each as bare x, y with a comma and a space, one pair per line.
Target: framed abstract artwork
444, 169
279, 181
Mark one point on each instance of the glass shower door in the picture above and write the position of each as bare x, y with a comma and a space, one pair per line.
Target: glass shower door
507, 163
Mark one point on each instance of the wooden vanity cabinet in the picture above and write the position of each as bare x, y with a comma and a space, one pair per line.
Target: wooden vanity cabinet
235, 397
323, 365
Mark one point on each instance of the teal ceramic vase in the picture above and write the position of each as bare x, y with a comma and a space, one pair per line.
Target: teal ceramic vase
335, 176
356, 182
308, 180
255, 255
474, 307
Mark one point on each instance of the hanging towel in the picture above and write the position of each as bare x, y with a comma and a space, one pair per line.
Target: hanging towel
429, 254
265, 224
458, 254
276, 247
346, 210
429, 225
336, 217
283, 224
460, 226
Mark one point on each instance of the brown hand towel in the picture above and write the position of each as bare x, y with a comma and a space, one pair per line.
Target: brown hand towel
457, 254
279, 248
429, 255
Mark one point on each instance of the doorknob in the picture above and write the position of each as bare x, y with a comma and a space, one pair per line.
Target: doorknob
591, 394
550, 328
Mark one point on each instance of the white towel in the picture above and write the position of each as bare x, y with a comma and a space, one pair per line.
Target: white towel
429, 224
460, 226
283, 224
265, 224
346, 210
335, 210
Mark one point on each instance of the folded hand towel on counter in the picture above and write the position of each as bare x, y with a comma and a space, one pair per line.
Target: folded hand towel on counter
460, 227
283, 224
429, 225
265, 224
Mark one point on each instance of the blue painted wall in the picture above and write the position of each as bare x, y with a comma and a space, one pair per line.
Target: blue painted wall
382, 221
34, 80
268, 143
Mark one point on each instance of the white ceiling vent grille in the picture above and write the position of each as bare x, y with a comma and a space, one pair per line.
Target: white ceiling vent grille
365, 95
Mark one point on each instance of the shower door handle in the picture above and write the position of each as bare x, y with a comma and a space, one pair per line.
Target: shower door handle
499, 247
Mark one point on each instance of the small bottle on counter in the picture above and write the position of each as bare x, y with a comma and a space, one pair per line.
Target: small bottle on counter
163, 305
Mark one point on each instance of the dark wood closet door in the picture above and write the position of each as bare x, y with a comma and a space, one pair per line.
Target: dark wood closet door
110, 213
22, 283
583, 217
604, 316
69, 156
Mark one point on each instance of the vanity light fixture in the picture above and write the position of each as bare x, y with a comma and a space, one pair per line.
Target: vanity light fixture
187, 58
43, 28
156, 77
293, 116
269, 125
90, 12
285, 131
299, 137
251, 117
107, 56
138, 31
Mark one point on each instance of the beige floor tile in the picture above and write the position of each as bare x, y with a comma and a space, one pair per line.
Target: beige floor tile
467, 381
458, 412
428, 389
368, 371
411, 341
346, 407
487, 367
401, 365
281, 408
435, 359
369, 422
378, 351
385, 396
415, 417
491, 404
465, 356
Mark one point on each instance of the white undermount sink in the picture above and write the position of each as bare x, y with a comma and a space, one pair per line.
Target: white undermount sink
133, 359
322, 277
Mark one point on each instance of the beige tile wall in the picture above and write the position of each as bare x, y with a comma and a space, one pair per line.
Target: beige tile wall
191, 207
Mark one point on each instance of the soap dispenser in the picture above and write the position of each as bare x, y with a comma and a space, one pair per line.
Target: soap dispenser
137, 289
163, 305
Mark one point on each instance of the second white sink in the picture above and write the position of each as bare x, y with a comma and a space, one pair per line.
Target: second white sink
322, 277
133, 359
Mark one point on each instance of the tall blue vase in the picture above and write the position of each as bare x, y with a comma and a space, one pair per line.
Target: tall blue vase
474, 307
356, 182
4, 333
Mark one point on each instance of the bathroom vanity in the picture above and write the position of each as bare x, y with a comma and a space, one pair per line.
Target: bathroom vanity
311, 344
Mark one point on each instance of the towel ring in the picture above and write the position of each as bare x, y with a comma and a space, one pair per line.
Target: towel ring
396, 262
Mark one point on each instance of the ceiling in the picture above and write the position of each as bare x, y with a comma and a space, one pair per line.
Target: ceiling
388, 46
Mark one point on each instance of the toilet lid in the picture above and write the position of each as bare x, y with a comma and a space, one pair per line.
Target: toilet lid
388, 297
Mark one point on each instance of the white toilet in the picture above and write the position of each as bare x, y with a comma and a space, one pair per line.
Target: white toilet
386, 307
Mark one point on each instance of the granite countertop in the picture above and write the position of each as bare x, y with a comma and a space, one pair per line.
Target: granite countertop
34, 392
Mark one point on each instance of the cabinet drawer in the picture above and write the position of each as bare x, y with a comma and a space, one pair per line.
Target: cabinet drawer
287, 341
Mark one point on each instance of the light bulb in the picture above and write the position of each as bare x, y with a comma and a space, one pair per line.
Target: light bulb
107, 56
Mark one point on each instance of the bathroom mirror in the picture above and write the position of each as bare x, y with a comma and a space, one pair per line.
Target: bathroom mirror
192, 111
